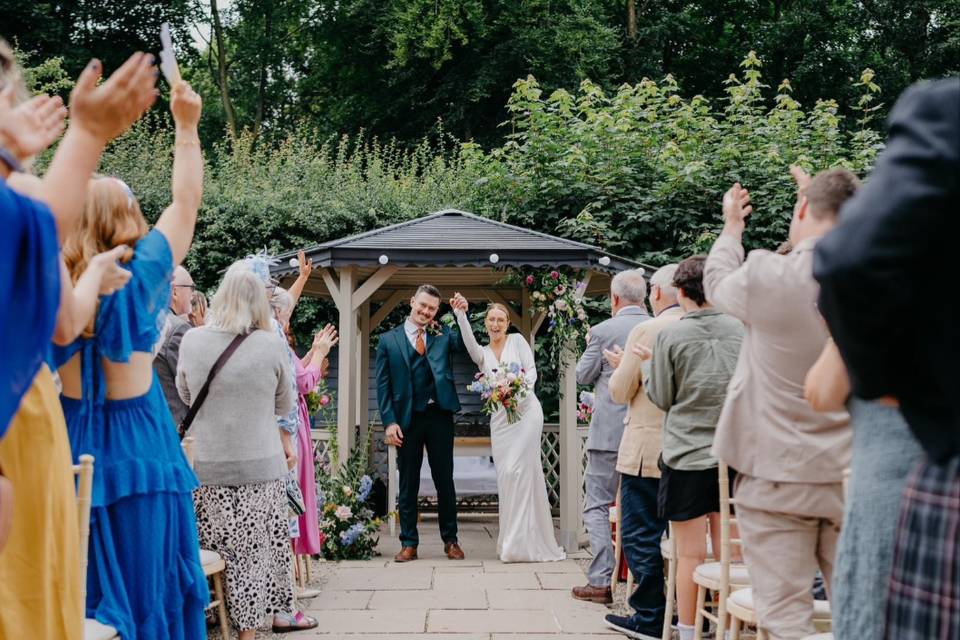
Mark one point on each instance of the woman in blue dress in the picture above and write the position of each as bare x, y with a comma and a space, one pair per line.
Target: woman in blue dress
144, 575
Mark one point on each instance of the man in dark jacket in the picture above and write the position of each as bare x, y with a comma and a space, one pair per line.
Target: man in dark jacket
176, 324
886, 274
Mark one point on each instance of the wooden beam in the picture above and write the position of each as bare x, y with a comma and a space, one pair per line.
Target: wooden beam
347, 352
571, 457
537, 321
526, 312
373, 283
388, 305
331, 283
363, 373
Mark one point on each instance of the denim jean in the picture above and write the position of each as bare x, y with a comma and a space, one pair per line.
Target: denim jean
642, 531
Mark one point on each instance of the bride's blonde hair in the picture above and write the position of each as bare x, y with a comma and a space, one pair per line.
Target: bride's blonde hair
496, 306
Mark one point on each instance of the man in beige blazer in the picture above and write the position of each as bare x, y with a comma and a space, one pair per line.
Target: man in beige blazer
790, 458
637, 464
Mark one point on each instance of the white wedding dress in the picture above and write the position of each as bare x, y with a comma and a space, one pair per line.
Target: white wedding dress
526, 526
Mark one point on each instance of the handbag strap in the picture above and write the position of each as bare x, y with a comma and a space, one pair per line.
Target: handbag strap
198, 401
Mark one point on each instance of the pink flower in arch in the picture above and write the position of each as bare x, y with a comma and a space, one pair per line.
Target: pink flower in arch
555, 275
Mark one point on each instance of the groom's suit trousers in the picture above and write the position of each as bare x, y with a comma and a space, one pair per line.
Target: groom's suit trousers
431, 430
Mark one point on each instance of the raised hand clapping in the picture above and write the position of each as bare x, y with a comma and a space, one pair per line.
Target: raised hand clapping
325, 340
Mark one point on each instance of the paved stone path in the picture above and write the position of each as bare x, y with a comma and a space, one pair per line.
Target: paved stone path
434, 598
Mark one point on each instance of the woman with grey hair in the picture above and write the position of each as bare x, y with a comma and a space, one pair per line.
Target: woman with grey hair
238, 457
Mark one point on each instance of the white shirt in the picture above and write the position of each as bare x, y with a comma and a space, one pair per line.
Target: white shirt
411, 329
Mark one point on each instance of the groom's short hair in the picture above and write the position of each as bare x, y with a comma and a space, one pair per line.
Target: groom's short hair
428, 289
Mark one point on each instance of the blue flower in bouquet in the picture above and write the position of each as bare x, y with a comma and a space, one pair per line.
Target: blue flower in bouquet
366, 484
350, 536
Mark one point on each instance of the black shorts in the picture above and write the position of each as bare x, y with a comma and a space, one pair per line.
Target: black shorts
686, 495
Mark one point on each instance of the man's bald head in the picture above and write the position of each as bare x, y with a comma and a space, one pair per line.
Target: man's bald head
182, 291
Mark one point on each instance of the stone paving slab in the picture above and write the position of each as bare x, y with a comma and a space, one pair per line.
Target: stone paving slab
427, 599
524, 621
380, 579
383, 621
478, 581
565, 581
562, 566
545, 636
329, 599
540, 599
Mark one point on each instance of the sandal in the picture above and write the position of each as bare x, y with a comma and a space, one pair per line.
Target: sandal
295, 622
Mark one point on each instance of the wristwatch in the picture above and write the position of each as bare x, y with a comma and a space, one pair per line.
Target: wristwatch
7, 158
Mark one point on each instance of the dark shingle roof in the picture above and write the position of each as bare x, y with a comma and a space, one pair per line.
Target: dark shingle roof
457, 238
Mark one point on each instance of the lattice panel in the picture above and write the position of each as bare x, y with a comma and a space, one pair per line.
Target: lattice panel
321, 443
550, 454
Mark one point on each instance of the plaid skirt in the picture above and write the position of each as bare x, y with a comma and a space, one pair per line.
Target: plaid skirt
923, 599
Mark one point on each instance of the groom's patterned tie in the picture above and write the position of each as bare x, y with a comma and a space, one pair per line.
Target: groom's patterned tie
421, 345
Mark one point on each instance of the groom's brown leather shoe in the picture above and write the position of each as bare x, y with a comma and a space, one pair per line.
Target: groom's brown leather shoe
453, 551
406, 554
590, 593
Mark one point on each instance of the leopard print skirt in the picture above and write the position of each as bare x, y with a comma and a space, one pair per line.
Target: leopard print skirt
247, 526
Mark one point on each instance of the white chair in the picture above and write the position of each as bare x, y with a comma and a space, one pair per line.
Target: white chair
742, 611
213, 565
92, 630
719, 577
668, 549
820, 636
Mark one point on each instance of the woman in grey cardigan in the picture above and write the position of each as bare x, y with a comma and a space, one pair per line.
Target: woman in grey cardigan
242, 503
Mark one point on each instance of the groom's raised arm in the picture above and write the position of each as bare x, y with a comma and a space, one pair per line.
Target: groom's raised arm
384, 389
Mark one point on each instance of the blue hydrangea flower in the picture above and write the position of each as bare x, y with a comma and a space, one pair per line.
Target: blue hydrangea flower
366, 484
350, 536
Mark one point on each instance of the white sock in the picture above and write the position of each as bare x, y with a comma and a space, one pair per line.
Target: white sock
685, 631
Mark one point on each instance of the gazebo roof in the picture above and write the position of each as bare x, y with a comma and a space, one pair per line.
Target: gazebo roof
452, 248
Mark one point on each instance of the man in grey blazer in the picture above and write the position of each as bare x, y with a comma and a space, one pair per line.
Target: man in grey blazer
627, 292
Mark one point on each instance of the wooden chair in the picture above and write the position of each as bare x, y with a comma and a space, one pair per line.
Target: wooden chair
213, 565
668, 549
742, 611
720, 577
92, 629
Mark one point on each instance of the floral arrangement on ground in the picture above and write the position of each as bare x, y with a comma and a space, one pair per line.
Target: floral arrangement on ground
349, 529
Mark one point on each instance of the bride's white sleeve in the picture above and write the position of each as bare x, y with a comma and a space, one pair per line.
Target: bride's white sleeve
527, 360
469, 341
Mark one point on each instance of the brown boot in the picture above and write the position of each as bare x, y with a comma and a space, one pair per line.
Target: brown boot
453, 551
603, 595
406, 554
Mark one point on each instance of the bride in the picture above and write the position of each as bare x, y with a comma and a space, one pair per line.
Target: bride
526, 526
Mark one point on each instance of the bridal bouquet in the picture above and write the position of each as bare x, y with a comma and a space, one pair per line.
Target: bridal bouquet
504, 389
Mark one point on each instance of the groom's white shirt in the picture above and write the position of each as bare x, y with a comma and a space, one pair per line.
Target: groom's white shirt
411, 329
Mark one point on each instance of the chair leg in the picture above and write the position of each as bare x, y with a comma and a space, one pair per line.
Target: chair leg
721, 612
698, 619
306, 561
671, 596
734, 628
222, 607
761, 633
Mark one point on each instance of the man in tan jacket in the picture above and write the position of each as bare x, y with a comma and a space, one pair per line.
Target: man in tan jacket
790, 458
637, 465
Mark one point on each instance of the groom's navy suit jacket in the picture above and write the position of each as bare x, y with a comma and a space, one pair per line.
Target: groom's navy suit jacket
395, 355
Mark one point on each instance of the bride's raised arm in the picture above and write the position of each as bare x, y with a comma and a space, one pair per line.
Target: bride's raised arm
469, 341
527, 361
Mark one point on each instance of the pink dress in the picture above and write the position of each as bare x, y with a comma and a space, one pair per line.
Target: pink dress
309, 540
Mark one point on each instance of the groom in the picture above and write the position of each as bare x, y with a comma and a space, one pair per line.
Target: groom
417, 398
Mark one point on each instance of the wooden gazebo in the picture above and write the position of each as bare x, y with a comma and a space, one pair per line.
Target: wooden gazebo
368, 275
